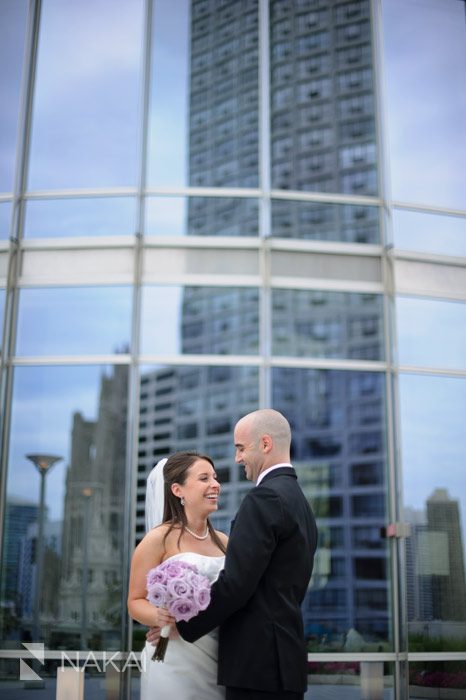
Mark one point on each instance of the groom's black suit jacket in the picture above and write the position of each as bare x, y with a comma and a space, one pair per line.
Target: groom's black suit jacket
256, 599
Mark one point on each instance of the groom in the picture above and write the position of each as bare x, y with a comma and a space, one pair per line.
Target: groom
256, 599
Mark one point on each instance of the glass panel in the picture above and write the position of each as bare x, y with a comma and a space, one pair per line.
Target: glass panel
200, 320
5, 214
76, 415
308, 323
86, 100
339, 449
204, 112
442, 679
431, 333
13, 17
2, 312
432, 411
47, 218
431, 233
426, 93
74, 321
337, 680
325, 222
193, 407
202, 216
322, 103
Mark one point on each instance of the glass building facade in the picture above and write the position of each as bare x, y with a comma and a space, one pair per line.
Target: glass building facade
211, 206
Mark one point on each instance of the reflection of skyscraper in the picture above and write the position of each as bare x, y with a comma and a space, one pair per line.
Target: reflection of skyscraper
98, 452
27, 571
19, 515
322, 134
448, 586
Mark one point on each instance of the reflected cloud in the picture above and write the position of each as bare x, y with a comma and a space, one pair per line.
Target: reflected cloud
426, 99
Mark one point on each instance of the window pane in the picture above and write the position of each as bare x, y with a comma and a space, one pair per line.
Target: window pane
431, 333
426, 99
74, 321
2, 312
338, 426
327, 324
432, 411
193, 407
13, 17
5, 214
325, 222
322, 102
432, 233
204, 111
202, 216
86, 101
200, 320
79, 415
80, 217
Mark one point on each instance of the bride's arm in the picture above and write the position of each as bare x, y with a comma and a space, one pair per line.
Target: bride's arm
147, 555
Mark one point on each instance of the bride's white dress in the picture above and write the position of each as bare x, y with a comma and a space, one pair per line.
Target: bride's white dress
189, 671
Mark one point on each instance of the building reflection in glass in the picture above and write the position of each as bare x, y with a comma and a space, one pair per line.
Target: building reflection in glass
96, 458
436, 572
339, 449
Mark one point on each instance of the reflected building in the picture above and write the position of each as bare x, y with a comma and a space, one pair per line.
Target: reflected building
435, 563
20, 514
28, 572
322, 139
448, 583
93, 518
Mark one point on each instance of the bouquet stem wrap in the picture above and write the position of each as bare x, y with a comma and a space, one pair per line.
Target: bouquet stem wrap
181, 589
162, 644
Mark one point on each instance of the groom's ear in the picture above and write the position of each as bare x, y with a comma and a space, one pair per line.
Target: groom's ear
267, 443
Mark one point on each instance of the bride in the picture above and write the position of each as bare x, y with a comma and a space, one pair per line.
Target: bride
181, 493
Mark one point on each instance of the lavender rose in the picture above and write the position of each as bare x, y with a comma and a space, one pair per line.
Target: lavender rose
183, 609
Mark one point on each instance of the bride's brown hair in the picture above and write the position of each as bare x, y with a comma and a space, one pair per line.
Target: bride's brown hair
175, 471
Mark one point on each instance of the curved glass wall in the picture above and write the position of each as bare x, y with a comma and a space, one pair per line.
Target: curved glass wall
215, 207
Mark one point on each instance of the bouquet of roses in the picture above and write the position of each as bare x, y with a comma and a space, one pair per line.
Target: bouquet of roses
182, 590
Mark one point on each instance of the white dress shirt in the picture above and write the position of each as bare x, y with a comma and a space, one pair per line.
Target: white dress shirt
270, 469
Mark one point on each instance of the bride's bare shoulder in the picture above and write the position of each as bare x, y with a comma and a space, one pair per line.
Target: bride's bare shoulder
154, 539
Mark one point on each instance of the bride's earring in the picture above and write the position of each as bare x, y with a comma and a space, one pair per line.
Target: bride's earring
182, 501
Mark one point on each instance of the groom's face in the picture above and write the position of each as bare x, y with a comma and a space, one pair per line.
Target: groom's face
248, 452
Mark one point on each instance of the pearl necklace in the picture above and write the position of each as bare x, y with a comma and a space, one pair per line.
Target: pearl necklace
198, 537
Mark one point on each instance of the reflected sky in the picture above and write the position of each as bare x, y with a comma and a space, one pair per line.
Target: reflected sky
44, 401
433, 438
5, 214
86, 102
425, 53
168, 117
80, 217
431, 333
13, 15
74, 321
433, 233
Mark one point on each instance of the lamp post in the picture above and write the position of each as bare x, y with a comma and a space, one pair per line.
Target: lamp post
87, 493
43, 463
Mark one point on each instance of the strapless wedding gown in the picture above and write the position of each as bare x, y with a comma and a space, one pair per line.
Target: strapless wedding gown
189, 671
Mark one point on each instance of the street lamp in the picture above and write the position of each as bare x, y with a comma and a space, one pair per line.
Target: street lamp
43, 463
87, 493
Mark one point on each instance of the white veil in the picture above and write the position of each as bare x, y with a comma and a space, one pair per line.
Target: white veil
155, 496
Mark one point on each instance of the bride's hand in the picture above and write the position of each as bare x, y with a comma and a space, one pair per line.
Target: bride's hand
163, 618
153, 635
